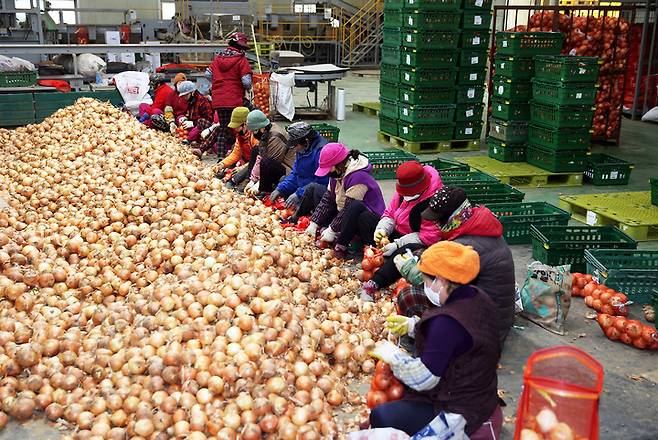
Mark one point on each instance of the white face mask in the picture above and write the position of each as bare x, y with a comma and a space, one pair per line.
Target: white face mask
410, 198
431, 294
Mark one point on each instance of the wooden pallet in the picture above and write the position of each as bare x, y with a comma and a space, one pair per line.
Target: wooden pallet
521, 174
632, 212
428, 147
369, 108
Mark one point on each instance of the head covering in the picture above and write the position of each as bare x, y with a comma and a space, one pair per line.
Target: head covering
185, 87
257, 120
452, 261
238, 117
239, 40
444, 203
156, 79
332, 154
297, 132
412, 179
180, 76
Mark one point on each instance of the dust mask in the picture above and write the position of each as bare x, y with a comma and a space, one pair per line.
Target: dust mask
432, 295
410, 198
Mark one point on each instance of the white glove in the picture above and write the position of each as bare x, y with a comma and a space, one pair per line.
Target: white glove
389, 249
311, 229
328, 235
172, 127
380, 234
400, 260
251, 188
205, 133
385, 351
187, 124
401, 325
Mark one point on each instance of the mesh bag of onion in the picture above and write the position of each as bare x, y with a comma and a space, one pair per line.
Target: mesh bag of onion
261, 87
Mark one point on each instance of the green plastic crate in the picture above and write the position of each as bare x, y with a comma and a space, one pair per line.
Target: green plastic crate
432, 21
389, 73
329, 132
563, 161
393, 18
445, 165
430, 39
388, 125
508, 131
603, 169
477, 4
516, 218
427, 78
514, 67
391, 55
389, 91
385, 163
18, 79
559, 93
388, 108
528, 44
510, 111
633, 272
480, 20
428, 58
561, 116
505, 152
484, 193
426, 114
472, 76
439, 95
654, 191
423, 133
470, 94
559, 245
475, 39
473, 58
16, 118
432, 5
468, 130
567, 68
510, 89
469, 112
392, 36
559, 139
393, 5
458, 177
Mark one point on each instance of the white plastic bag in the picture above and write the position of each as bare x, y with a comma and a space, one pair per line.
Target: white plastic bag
283, 100
134, 87
378, 434
445, 426
15, 64
90, 64
651, 115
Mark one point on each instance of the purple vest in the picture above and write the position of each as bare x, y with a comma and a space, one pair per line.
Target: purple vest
374, 200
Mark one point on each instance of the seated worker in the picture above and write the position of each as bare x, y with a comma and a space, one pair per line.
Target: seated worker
402, 222
242, 149
348, 205
307, 144
274, 161
198, 115
474, 226
163, 96
457, 349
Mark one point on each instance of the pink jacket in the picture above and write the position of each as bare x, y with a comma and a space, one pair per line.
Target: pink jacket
401, 212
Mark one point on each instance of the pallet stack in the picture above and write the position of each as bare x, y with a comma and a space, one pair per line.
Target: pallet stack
512, 90
561, 111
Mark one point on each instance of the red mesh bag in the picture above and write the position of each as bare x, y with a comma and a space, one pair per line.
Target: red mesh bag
261, 87
561, 390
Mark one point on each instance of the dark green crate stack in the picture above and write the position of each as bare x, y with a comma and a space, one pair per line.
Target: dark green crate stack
561, 112
512, 90
419, 69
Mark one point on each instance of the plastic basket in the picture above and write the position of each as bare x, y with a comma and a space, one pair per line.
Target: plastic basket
505, 152
388, 108
428, 78
471, 76
516, 218
473, 58
426, 114
563, 161
329, 132
470, 94
558, 245
443, 95
445, 165
654, 191
18, 79
392, 37
484, 193
514, 67
477, 4
508, 131
475, 39
393, 18
469, 112
468, 130
389, 73
432, 21
607, 170
633, 272
385, 163
389, 91
512, 90
421, 133
428, 58
529, 44
432, 5
393, 5
480, 20
457, 177
560, 116
430, 39
567, 68
560, 93
391, 55
388, 125
508, 111
559, 138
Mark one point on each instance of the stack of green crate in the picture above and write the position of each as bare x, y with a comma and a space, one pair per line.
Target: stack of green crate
561, 111
512, 90
472, 68
418, 71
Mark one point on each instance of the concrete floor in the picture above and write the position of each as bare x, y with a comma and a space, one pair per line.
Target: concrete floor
630, 395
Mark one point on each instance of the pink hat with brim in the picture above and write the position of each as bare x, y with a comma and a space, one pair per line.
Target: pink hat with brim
332, 154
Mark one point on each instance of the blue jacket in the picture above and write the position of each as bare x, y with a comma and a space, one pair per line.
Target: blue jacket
303, 170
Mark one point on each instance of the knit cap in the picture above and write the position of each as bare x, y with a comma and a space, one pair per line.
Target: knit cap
444, 203
452, 261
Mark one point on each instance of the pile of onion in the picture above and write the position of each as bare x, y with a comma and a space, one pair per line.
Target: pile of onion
141, 299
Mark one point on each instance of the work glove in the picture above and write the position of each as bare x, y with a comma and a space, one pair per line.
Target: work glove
403, 262
252, 188
275, 195
385, 351
401, 325
328, 235
292, 201
172, 128
380, 234
311, 229
187, 124
205, 133
389, 249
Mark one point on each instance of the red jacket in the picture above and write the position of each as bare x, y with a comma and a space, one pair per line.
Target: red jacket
228, 68
164, 96
482, 223
179, 105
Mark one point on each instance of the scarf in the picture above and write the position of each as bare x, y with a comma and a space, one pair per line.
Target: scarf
458, 217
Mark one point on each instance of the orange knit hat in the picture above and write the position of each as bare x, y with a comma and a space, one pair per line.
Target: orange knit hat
180, 76
452, 261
